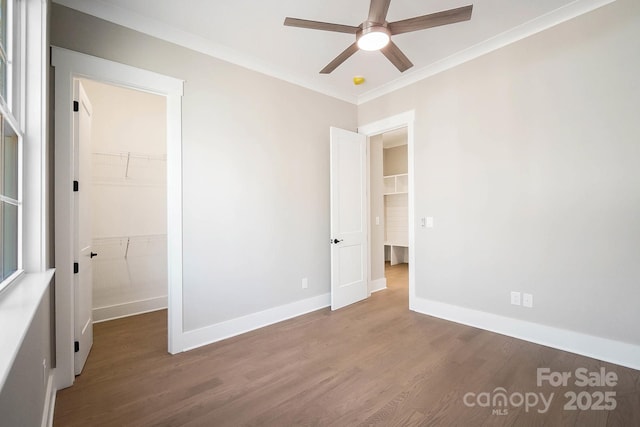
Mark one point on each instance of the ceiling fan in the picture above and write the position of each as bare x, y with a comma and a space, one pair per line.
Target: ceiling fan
375, 33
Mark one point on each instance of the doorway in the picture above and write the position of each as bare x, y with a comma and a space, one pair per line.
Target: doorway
69, 66
402, 123
389, 205
128, 201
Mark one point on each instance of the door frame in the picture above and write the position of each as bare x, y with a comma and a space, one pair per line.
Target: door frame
70, 65
397, 121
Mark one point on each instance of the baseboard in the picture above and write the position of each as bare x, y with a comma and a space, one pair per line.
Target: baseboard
116, 311
605, 349
378, 285
240, 325
49, 402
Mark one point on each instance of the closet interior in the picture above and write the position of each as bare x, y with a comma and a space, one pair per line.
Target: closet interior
128, 201
396, 201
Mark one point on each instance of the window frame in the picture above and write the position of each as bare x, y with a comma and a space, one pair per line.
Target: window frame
23, 292
12, 112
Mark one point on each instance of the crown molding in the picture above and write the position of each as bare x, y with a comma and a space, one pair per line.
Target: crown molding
162, 31
539, 24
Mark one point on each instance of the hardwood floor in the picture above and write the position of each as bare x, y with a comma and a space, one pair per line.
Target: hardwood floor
374, 363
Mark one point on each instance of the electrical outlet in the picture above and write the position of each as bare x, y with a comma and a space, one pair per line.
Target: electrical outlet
515, 298
527, 300
305, 283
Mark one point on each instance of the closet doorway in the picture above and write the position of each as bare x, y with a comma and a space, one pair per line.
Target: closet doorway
128, 200
389, 197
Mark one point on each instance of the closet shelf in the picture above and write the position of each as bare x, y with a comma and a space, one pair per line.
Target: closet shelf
137, 238
123, 183
396, 184
119, 246
132, 155
396, 243
129, 168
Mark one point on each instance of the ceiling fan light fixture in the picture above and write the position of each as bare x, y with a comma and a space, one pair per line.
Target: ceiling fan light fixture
374, 38
375, 33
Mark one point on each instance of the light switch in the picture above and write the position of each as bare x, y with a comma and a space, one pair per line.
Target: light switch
527, 300
515, 298
429, 222
423, 222
377, 220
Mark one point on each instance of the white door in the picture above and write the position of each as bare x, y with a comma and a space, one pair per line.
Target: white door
83, 283
348, 218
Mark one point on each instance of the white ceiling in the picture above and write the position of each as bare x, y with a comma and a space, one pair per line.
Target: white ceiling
250, 33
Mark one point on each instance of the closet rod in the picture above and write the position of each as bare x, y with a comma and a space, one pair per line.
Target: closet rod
122, 154
129, 238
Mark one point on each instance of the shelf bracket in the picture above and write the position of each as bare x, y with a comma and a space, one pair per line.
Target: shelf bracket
126, 251
126, 171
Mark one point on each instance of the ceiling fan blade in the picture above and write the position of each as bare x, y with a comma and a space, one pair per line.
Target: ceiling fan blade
340, 59
445, 17
317, 25
378, 11
397, 58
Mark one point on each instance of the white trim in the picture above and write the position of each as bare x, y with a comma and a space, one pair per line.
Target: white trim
9, 281
18, 305
162, 31
132, 308
70, 65
49, 402
398, 121
617, 352
200, 44
527, 29
368, 213
83, 65
35, 152
388, 124
377, 285
250, 322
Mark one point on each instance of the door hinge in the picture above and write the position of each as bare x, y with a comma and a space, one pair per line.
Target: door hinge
76, 106
76, 185
76, 268
76, 346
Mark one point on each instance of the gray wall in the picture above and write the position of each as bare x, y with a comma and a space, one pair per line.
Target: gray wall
527, 158
255, 172
23, 396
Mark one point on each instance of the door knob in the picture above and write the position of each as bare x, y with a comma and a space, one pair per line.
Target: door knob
336, 241
92, 254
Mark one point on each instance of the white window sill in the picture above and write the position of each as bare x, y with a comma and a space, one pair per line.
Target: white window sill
9, 281
18, 305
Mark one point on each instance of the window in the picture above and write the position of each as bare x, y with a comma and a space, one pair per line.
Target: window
10, 147
9, 202
4, 57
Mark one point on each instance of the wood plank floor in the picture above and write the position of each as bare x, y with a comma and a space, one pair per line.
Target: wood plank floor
372, 364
